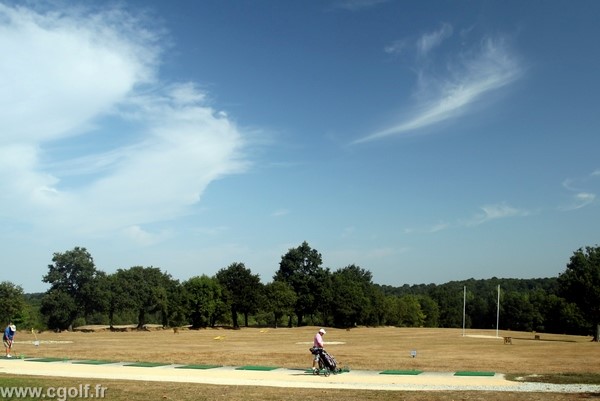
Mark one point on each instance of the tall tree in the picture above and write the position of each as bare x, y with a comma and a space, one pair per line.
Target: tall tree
378, 312
202, 296
58, 309
301, 268
580, 284
118, 297
430, 309
518, 313
74, 275
175, 315
409, 311
449, 297
12, 302
243, 290
563, 317
147, 290
280, 300
351, 299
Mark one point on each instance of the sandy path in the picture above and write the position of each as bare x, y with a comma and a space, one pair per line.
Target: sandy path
365, 380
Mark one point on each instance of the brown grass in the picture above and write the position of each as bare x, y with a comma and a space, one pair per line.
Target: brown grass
360, 348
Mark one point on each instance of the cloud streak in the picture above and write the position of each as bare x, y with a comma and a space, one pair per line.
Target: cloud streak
581, 198
470, 77
431, 40
357, 5
76, 82
494, 212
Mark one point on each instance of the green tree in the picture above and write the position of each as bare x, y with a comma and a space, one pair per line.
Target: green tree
58, 309
301, 268
176, 310
12, 303
449, 298
243, 290
32, 317
119, 295
202, 295
145, 290
351, 298
280, 300
430, 310
390, 315
517, 312
74, 275
562, 317
580, 284
409, 310
377, 313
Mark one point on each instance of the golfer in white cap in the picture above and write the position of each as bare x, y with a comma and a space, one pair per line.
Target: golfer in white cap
319, 344
7, 338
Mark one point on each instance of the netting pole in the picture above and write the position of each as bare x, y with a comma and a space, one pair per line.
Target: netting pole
498, 312
464, 307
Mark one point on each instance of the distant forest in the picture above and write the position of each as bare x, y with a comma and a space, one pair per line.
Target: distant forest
302, 292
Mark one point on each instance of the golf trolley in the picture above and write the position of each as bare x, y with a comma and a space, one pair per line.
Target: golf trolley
327, 363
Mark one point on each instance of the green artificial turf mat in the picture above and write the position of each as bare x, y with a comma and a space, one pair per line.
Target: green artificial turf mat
47, 359
256, 368
92, 362
401, 372
147, 364
468, 373
198, 367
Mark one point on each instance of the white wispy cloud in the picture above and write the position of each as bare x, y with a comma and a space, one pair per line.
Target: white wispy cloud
441, 226
468, 77
340, 257
495, 212
397, 47
438, 227
431, 40
355, 5
280, 213
143, 237
582, 197
580, 200
90, 133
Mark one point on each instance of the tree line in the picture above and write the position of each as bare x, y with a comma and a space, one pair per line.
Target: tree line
303, 292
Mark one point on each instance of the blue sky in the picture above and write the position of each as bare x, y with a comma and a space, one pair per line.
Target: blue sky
424, 141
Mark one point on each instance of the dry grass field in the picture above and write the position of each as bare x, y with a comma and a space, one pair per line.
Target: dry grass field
437, 350
360, 348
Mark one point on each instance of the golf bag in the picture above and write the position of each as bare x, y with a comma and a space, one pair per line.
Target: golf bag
327, 362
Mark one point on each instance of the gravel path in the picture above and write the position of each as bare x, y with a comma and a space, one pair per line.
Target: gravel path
363, 380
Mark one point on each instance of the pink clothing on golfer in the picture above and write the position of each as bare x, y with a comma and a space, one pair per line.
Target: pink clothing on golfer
318, 342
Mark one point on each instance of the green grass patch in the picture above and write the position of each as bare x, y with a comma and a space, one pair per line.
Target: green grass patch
147, 364
401, 372
471, 373
47, 359
253, 367
92, 362
198, 367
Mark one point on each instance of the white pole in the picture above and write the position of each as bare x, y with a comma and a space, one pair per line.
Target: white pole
498, 312
464, 307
